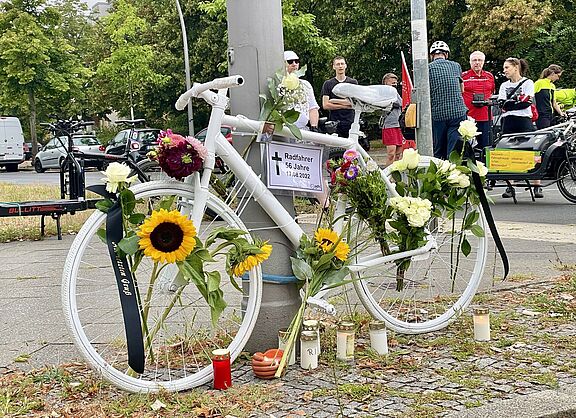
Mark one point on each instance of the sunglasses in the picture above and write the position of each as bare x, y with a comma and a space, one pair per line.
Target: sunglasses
293, 61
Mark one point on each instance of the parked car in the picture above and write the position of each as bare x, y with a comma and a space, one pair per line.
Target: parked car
53, 153
142, 140
11, 143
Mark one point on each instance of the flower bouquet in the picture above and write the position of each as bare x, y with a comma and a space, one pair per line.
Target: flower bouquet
287, 100
178, 156
425, 193
157, 230
320, 263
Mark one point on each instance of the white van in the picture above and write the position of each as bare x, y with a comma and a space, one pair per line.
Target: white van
11, 143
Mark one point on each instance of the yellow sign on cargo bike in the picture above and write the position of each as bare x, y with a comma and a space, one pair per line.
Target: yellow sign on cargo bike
511, 160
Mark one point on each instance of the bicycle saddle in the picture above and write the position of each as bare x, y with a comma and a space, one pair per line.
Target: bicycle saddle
378, 96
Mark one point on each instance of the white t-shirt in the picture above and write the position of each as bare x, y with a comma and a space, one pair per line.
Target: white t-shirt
526, 89
302, 120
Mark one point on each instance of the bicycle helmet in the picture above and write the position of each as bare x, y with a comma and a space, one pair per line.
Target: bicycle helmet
439, 46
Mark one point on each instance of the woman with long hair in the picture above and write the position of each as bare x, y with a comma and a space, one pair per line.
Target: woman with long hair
515, 98
544, 91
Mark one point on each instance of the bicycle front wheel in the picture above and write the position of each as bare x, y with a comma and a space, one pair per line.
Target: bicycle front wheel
435, 288
180, 348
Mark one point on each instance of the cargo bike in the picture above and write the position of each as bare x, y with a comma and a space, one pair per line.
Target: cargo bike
547, 155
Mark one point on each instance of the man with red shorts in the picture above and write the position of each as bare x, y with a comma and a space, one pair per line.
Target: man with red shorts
391, 132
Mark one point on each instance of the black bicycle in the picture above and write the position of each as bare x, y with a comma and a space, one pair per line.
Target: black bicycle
72, 178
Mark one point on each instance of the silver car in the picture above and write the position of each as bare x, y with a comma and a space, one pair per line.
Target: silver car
53, 153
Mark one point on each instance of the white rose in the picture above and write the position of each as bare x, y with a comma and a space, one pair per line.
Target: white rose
411, 158
446, 166
117, 173
468, 129
291, 82
416, 221
398, 165
371, 165
482, 170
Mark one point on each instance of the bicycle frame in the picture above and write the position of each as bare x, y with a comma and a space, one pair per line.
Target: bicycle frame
216, 143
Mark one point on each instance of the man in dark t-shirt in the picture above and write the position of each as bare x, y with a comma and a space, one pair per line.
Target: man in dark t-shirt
340, 109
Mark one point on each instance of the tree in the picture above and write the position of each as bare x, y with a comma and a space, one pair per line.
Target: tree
37, 63
129, 69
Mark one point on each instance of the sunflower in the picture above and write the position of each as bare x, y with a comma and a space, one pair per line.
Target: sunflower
167, 236
341, 251
252, 260
326, 238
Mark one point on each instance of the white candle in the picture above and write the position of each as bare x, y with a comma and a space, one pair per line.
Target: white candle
481, 319
282, 340
345, 341
312, 325
308, 350
378, 337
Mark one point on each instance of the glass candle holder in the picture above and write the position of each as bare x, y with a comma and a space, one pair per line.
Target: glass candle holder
282, 340
378, 337
221, 366
481, 319
345, 341
308, 350
313, 325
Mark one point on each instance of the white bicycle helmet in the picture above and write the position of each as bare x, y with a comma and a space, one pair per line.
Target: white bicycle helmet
439, 46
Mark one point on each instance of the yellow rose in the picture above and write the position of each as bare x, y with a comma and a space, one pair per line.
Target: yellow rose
291, 82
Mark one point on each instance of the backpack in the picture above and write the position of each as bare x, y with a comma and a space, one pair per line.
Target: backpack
407, 128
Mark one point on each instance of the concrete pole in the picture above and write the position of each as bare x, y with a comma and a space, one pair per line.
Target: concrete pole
186, 67
255, 51
421, 80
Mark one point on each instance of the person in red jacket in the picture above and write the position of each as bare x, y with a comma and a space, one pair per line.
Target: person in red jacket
478, 86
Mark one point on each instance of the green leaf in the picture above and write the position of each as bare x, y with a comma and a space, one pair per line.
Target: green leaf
466, 248
213, 279
128, 201
102, 234
295, 131
166, 203
104, 205
477, 231
336, 278
137, 218
471, 219
291, 115
217, 305
129, 244
301, 269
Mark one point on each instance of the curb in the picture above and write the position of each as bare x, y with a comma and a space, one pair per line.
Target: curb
559, 403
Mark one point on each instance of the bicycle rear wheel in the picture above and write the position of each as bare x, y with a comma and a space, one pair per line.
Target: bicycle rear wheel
180, 354
567, 184
434, 290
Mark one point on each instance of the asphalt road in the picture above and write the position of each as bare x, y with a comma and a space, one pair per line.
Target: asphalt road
553, 209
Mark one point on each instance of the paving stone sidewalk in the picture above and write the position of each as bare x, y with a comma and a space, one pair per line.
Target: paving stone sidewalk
533, 349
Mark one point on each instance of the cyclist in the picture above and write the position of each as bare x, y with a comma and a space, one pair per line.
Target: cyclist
448, 108
544, 91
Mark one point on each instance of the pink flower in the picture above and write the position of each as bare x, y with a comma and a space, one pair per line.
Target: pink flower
179, 156
350, 155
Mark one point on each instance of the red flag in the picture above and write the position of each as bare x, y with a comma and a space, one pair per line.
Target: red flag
407, 85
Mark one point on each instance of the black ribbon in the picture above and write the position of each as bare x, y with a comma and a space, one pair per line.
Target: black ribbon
125, 282
469, 154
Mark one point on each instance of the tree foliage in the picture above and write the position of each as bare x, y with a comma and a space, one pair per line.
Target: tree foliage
37, 62
54, 59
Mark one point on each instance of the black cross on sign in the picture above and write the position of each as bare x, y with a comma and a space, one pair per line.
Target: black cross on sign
277, 159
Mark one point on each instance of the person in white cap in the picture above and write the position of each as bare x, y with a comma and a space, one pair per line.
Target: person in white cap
293, 64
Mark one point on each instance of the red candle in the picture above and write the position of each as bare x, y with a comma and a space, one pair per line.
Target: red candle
221, 366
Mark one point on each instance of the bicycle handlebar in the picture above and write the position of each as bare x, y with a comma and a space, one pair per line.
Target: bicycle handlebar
197, 89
